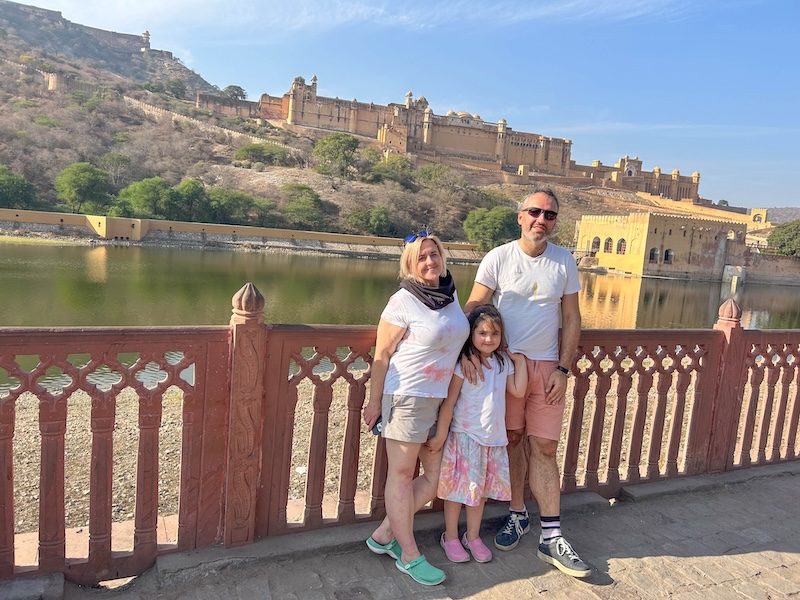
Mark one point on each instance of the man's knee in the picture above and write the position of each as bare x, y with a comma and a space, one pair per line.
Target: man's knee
543, 449
514, 438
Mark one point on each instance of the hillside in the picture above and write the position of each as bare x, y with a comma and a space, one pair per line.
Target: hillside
90, 54
93, 120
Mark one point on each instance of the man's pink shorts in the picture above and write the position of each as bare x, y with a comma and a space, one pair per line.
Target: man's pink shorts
532, 413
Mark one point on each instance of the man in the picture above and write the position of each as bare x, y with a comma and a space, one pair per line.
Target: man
531, 281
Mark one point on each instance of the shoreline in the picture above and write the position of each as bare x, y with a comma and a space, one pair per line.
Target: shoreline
265, 245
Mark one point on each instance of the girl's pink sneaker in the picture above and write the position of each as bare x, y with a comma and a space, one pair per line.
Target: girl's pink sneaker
478, 549
454, 550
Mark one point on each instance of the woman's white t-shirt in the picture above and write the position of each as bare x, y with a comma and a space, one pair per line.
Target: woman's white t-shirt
423, 362
480, 410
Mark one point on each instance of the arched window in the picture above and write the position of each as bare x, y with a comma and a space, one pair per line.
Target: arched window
621, 244
608, 247
757, 218
653, 255
596, 244
669, 256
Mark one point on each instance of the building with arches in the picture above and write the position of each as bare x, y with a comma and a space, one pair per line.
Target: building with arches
663, 245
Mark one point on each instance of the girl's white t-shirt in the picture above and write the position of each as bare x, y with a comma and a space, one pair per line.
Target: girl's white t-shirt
480, 410
423, 362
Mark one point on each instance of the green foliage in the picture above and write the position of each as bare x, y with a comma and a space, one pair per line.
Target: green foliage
80, 97
25, 104
269, 154
82, 185
438, 177
122, 137
230, 206
45, 121
148, 198
335, 154
785, 238
304, 208
234, 92
15, 190
489, 228
175, 88
189, 201
394, 167
495, 197
379, 222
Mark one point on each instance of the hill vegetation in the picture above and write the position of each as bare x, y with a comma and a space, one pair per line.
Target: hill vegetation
89, 148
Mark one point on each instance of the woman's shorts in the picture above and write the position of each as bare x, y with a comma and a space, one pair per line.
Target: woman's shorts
471, 472
532, 413
409, 418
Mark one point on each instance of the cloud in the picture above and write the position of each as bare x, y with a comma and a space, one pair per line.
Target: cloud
299, 15
688, 130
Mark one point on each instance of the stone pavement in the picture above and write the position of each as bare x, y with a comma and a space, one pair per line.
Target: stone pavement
735, 535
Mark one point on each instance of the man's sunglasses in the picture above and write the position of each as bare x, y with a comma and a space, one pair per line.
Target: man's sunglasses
549, 215
414, 236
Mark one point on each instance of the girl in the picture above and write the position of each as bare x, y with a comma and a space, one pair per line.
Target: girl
475, 462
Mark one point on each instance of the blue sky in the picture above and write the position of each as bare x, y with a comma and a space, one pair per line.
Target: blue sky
706, 85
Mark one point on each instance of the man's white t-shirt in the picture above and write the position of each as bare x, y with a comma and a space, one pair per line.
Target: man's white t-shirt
528, 292
423, 362
480, 410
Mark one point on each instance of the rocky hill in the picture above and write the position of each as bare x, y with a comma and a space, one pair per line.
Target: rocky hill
44, 36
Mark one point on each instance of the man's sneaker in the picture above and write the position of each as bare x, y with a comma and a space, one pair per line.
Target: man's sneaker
515, 526
559, 553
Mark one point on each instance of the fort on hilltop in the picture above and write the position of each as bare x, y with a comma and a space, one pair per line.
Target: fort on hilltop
457, 138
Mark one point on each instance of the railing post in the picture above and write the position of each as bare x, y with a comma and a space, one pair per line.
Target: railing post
248, 353
730, 387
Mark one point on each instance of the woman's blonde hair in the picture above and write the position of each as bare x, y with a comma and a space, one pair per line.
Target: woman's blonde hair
410, 256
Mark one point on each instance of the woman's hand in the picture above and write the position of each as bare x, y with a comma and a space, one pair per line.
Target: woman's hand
372, 411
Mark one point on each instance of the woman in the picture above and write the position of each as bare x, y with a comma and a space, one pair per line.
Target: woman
420, 334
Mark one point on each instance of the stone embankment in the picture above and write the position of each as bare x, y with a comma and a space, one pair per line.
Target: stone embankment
239, 243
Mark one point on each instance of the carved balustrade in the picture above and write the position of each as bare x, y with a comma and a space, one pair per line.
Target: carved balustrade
272, 441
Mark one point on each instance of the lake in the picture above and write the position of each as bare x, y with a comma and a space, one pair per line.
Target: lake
61, 286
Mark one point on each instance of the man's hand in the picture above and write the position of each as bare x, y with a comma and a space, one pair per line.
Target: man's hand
556, 387
472, 366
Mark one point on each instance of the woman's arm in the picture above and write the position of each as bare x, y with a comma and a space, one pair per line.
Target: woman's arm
517, 383
445, 415
386, 343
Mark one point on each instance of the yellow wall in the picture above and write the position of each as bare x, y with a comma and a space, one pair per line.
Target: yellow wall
137, 229
661, 245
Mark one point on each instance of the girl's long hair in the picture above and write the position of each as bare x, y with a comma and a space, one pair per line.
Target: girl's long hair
479, 314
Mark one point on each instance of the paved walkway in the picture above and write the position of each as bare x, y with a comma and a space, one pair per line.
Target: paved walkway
728, 536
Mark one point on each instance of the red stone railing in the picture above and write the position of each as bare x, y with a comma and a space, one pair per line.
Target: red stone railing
272, 442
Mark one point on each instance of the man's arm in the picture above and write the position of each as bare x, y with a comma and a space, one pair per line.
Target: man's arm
570, 335
480, 295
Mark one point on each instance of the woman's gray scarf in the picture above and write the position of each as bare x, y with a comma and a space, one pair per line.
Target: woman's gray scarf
432, 297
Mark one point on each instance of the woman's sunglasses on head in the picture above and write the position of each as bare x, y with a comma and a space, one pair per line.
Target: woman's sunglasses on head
549, 215
414, 236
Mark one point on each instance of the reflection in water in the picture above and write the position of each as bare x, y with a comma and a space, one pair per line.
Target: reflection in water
81, 286
97, 264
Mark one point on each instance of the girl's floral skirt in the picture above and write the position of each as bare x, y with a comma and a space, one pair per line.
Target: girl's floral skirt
471, 472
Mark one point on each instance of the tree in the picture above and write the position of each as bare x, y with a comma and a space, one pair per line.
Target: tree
335, 154
395, 167
723, 203
84, 185
234, 92
146, 198
117, 166
488, 228
785, 238
304, 209
15, 190
265, 153
189, 202
176, 88
230, 206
